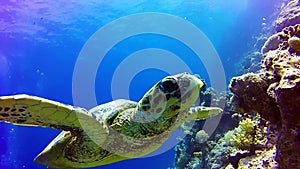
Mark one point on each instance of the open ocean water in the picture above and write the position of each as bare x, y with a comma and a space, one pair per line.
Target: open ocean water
40, 43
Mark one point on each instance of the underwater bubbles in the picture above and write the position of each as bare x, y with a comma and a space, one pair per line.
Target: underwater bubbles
4, 68
3, 146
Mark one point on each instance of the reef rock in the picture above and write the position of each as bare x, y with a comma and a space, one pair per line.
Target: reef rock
274, 92
272, 43
250, 95
262, 159
294, 45
289, 15
287, 39
250, 63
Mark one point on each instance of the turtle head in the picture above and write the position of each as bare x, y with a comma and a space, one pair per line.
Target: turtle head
169, 96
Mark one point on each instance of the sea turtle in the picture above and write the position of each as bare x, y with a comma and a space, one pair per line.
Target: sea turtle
111, 132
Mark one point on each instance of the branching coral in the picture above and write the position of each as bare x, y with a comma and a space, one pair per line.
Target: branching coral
245, 135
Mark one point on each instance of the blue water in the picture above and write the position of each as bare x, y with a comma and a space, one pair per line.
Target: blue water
40, 42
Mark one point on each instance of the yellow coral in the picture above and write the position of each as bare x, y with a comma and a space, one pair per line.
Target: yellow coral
197, 154
243, 136
246, 134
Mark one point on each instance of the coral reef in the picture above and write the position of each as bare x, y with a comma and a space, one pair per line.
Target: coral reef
249, 141
272, 43
250, 95
201, 136
241, 142
289, 15
274, 92
267, 99
249, 137
265, 158
294, 45
251, 62
193, 149
288, 38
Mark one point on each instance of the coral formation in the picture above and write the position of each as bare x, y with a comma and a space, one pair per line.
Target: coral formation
265, 158
246, 140
294, 45
250, 95
289, 15
251, 62
193, 149
288, 38
272, 43
244, 135
242, 141
201, 136
249, 136
274, 92
268, 136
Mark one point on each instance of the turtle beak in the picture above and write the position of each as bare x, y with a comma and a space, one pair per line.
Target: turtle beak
198, 82
195, 82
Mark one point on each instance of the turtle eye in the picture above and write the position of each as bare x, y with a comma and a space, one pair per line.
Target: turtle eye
145, 104
168, 85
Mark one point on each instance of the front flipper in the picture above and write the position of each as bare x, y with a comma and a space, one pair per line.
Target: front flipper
201, 113
36, 111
